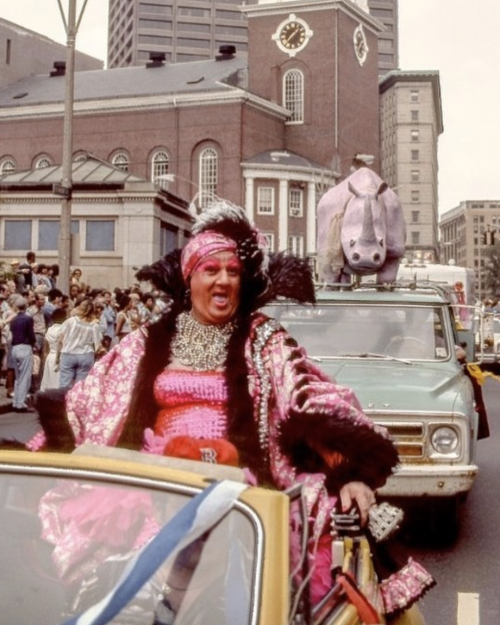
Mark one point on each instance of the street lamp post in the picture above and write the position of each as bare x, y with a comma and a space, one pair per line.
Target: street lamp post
71, 26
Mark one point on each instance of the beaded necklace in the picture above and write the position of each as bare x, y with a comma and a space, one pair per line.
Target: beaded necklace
203, 347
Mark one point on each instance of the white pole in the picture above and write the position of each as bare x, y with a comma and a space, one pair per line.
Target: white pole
65, 189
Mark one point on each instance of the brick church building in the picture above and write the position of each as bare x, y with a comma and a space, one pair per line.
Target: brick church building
269, 132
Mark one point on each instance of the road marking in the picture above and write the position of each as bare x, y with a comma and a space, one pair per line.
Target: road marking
468, 608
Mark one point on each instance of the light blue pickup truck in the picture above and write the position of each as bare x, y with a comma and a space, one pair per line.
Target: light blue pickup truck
395, 347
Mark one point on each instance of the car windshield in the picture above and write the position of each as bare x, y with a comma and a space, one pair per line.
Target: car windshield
68, 540
367, 331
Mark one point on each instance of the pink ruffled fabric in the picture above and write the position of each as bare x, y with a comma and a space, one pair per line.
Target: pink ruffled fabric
87, 524
402, 589
37, 442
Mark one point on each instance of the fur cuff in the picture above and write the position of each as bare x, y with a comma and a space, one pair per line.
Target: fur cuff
362, 454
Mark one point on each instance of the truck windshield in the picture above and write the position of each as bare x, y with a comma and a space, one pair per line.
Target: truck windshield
406, 332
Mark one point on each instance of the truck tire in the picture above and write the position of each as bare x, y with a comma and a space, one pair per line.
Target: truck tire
443, 521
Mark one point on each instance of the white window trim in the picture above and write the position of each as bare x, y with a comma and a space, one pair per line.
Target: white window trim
160, 167
270, 239
121, 160
296, 211
7, 166
208, 175
43, 159
272, 200
296, 244
298, 109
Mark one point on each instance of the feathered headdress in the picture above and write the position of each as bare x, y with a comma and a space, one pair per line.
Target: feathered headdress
266, 276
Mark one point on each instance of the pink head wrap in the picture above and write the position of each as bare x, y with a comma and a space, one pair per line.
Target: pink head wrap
204, 244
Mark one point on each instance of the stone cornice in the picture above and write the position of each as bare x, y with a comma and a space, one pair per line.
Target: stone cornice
295, 6
141, 103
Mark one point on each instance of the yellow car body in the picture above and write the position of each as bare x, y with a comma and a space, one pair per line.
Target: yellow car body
256, 530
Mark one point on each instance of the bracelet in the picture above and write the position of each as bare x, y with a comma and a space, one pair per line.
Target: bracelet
167, 588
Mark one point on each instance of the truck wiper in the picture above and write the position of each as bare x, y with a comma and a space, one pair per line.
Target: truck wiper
374, 355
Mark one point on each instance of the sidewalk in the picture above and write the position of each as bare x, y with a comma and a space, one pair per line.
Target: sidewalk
14, 426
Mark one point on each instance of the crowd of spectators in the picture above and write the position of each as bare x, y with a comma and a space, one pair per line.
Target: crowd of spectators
51, 339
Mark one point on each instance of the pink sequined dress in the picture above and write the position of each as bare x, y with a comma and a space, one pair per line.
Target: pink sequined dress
192, 403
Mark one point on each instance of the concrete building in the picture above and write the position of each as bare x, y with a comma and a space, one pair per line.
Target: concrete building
266, 131
24, 52
190, 30
183, 30
119, 221
466, 236
388, 43
411, 122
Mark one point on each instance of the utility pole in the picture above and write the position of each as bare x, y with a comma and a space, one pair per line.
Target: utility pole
65, 189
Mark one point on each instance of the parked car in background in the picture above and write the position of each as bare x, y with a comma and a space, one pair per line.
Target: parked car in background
395, 347
488, 338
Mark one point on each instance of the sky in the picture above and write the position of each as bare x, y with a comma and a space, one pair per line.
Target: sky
459, 38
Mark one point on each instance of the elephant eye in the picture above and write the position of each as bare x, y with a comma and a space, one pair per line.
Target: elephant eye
381, 242
352, 242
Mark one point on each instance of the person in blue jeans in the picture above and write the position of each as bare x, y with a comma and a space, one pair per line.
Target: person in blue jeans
23, 340
79, 340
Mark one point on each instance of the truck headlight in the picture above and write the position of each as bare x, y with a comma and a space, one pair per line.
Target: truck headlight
444, 440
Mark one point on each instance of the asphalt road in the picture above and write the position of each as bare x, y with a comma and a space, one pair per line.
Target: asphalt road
15, 427
468, 572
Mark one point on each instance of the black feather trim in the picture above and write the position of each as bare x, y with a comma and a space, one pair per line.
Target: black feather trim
51, 407
264, 277
166, 275
289, 277
366, 455
242, 425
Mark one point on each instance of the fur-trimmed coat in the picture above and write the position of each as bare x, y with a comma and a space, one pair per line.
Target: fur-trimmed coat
297, 409
301, 418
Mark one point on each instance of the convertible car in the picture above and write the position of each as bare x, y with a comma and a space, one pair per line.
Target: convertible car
111, 536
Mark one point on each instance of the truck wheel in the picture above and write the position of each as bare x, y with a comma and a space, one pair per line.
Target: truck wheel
443, 517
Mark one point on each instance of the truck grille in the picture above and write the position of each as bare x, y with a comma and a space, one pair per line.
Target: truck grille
408, 439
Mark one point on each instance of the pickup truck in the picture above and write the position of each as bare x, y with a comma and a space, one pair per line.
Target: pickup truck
395, 346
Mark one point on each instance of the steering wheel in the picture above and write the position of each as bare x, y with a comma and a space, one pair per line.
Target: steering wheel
407, 347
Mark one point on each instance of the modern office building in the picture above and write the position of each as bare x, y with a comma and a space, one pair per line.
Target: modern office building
190, 30
410, 124
24, 52
182, 30
467, 233
386, 11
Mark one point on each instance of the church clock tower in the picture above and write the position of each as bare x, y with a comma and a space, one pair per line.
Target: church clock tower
318, 58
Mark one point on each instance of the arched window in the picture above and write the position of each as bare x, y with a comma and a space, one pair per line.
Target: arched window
121, 161
208, 175
7, 166
160, 168
293, 95
42, 162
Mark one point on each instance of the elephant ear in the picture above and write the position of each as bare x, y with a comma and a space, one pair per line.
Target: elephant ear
334, 256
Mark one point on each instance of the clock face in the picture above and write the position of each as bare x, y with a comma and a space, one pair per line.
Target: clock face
293, 35
360, 44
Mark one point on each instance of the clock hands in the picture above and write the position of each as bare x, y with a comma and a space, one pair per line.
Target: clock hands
292, 35
295, 31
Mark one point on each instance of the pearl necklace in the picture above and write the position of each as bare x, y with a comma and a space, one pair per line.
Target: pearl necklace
201, 346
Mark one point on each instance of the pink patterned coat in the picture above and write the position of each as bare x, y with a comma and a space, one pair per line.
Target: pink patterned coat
281, 380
